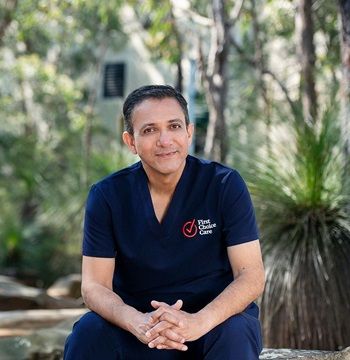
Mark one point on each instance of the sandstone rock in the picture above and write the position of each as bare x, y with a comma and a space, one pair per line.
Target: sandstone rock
43, 344
67, 287
14, 296
48, 345
291, 354
24, 322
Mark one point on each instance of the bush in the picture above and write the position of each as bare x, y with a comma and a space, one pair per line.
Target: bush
301, 197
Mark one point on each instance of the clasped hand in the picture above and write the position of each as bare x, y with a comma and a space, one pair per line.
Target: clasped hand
168, 327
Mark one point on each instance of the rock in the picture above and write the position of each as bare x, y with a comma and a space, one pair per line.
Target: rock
14, 296
291, 354
66, 287
24, 322
48, 344
43, 344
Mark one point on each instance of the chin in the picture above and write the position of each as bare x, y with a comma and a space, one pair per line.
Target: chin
167, 168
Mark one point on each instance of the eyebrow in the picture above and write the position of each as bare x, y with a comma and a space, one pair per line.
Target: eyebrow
169, 122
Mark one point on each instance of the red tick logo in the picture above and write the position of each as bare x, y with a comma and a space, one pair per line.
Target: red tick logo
190, 229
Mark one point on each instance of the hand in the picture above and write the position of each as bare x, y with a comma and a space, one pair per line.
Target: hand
144, 322
188, 327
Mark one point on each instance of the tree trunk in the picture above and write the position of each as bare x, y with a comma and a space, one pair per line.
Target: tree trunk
215, 82
259, 61
88, 131
179, 76
7, 18
179, 41
344, 6
306, 49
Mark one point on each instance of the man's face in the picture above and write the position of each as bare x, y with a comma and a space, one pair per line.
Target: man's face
161, 137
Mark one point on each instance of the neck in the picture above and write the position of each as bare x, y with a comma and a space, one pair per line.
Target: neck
163, 183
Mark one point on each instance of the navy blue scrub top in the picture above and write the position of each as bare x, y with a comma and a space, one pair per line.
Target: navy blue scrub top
184, 256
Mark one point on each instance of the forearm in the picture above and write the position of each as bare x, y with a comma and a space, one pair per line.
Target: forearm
232, 300
110, 306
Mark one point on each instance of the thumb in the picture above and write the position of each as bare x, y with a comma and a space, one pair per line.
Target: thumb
177, 305
155, 304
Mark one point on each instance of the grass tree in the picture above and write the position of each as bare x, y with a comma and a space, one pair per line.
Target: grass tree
301, 203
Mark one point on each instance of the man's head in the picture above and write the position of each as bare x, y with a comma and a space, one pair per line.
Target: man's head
151, 92
158, 129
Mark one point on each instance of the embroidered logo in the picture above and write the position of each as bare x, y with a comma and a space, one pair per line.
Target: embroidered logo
205, 227
190, 229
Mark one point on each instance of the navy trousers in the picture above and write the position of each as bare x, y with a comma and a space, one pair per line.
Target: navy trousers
93, 338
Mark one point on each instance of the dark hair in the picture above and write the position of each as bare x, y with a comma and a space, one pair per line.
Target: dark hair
149, 92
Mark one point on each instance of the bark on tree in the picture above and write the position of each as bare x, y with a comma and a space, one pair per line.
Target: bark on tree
344, 6
215, 83
306, 50
259, 61
179, 41
7, 18
88, 131
214, 69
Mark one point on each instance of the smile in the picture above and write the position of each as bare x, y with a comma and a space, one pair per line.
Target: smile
167, 154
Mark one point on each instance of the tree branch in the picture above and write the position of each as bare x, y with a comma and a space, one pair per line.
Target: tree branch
201, 62
7, 19
236, 13
192, 15
264, 71
283, 88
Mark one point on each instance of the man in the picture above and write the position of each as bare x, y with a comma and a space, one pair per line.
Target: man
171, 256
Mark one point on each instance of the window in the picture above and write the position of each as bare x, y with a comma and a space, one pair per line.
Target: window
113, 81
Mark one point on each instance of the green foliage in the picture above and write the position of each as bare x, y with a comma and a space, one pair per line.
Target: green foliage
301, 205
163, 37
46, 164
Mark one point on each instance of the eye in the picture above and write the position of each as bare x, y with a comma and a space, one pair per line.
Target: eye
149, 130
176, 126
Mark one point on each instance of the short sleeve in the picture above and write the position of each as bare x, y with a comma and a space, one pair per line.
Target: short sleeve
98, 239
239, 222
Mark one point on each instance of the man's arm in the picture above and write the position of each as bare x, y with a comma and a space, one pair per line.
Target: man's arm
98, 295
248, 284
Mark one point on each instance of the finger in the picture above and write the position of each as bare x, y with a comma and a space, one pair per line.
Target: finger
172, 335
168, 344
161, 343
155, 315
164, 347
156, 304
165, 308
175, 319
163, 325
159, 340
177, 305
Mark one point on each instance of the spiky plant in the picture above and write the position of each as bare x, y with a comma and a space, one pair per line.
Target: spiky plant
301, 198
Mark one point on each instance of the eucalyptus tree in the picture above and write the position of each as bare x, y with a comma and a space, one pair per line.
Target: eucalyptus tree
49, 55
301, 200
307, 58
344, 7
198, 29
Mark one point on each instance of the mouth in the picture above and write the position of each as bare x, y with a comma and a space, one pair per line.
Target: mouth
166, 154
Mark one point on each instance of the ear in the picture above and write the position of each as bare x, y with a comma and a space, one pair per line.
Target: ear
129, 142
190, 131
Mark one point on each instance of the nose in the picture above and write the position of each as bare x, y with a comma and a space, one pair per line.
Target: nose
164, 138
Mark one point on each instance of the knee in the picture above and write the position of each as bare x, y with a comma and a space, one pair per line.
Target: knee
244, 328
90, 334
90, 326
238, 337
